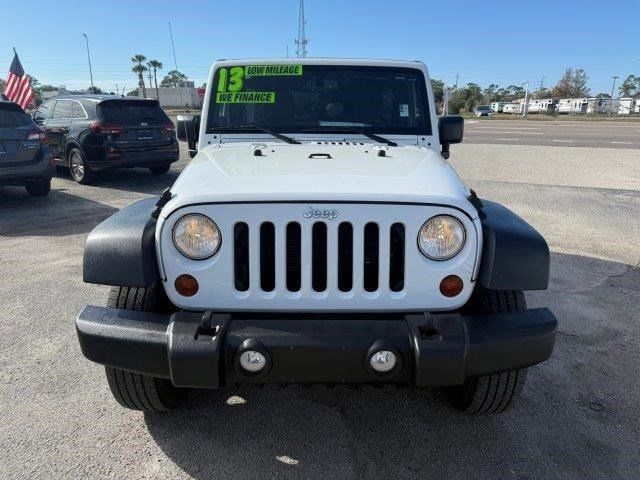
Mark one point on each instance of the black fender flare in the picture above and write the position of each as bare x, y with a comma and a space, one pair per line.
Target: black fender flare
121, 251
514, 255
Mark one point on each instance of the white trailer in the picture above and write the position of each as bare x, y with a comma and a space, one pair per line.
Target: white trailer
498, 107
625, 106
542, 105
512, 108
602, 105
572, 106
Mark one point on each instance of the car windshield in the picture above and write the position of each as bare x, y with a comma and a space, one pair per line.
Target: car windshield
131, 112
11, 117
319, 98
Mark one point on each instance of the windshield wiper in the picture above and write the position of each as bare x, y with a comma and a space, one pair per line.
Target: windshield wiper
277, 135
361, 131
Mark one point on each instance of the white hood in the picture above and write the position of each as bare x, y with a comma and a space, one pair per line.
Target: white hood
232, 173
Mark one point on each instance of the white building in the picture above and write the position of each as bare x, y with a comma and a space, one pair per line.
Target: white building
176, 96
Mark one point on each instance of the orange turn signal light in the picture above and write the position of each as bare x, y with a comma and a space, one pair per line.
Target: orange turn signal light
186, 285
451, 285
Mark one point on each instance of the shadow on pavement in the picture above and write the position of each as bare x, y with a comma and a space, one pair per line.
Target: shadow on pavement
57, 214
578, 416
139, 180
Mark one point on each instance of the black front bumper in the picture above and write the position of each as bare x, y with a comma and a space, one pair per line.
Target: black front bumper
201, 350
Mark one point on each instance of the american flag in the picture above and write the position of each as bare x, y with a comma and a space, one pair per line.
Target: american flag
17, 87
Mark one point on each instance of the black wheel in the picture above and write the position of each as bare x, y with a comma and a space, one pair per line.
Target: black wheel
160, 169
78, 167
133, 390
492, 393
38, 188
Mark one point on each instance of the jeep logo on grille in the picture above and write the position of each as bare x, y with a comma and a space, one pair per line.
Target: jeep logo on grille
320, 213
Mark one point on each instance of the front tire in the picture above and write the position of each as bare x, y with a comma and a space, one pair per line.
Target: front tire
133, 390
78, 167
38, 188
491, 393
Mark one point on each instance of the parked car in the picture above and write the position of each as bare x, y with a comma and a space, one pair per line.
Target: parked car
319, 236
25, 157
92, 133
483, 111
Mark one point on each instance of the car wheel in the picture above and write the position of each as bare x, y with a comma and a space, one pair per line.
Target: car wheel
133, 390
491, 393
38, 188
78, 167
160, 169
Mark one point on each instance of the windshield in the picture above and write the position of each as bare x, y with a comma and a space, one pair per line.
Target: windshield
320, 98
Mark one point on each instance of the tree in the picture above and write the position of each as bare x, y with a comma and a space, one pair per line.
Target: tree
438, 90
94, 90
133, 93
573, 84
173, 79
139, 69
603, 95
155, 65
489, 93
630, 87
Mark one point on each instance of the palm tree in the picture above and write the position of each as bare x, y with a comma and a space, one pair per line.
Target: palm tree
155, 65
140, 69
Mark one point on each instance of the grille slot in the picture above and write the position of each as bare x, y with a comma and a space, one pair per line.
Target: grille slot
241, 256
319, 257
345, 257
267, 257
396, 257
371, 254
294, 257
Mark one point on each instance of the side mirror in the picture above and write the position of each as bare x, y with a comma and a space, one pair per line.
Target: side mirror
450, 130
188, 130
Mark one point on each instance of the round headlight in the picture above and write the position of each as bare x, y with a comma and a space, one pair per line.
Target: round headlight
441, 237
196, 236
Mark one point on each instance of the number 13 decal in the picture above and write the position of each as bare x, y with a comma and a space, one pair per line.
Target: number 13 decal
230, 80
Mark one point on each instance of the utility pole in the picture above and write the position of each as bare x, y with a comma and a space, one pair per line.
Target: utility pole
89, 58
526, 99
302, 40
541, 87
615, 77
456, 86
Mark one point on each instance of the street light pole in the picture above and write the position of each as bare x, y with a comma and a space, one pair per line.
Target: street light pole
615, 77
526, 99
93, 90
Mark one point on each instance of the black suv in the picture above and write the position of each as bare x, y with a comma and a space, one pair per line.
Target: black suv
25, 157
91, 133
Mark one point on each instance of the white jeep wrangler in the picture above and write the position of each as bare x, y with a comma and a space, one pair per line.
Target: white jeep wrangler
319, 235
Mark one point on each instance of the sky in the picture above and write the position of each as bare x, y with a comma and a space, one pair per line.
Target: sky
501, 42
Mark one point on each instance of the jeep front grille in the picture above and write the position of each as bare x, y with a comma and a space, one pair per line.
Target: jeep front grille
327, 249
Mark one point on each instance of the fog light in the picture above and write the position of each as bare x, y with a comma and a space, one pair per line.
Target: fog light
451, 285
186, 285
383, 361
252, 361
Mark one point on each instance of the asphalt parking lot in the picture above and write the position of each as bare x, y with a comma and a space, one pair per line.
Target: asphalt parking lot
579, 416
